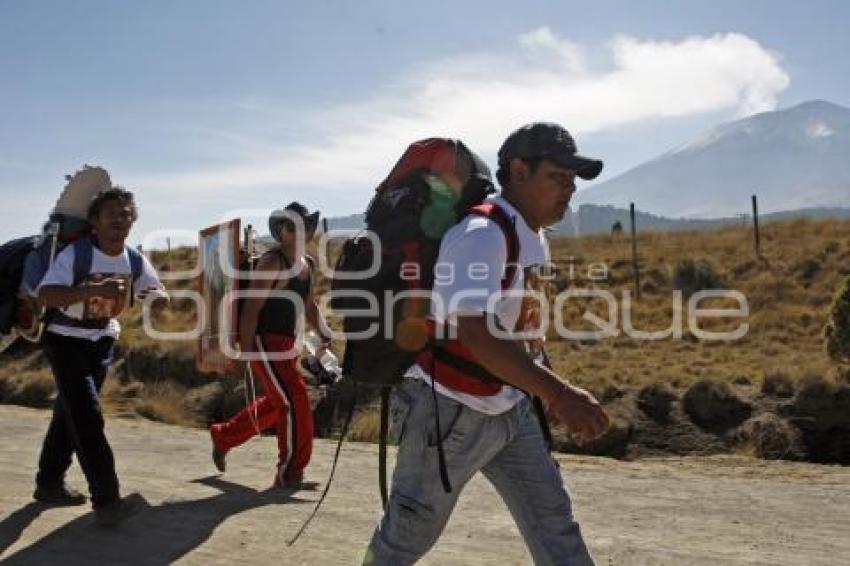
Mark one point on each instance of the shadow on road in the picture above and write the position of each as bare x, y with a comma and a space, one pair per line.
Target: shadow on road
16, 523
156, 535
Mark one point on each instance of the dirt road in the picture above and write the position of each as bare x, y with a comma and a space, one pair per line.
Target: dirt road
719, 510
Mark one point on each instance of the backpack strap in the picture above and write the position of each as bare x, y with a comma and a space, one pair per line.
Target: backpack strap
452, 353
382, 445
137, 262
137, 265
83, 254
507, 224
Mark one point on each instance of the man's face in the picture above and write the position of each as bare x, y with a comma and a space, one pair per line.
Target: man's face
289, 236
545, 194
114, 220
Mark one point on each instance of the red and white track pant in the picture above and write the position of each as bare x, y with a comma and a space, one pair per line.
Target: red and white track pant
285, 404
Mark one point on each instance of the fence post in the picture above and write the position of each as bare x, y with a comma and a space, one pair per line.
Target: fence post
325, 225
756, 226
635, 267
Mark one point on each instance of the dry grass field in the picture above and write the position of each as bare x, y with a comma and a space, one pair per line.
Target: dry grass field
788, 291
773, 392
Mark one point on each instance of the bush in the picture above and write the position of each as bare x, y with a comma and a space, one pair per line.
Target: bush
366, 426
713, 406
614, 443
691, 276
821, 410
771, 437
778, 384
837, 331
33, 388
656, 401
164, 402
821, 405
807, 270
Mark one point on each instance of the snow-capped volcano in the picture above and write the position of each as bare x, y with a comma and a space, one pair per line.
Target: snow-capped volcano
793, 158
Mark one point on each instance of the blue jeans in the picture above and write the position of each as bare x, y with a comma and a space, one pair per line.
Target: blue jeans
79, 367
508, 449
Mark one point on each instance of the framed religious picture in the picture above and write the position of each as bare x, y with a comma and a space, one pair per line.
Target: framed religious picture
218, 247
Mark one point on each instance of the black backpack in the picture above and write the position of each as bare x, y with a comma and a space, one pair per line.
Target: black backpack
435, 184
13, 255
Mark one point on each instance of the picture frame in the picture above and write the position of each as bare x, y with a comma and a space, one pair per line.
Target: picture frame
218, 246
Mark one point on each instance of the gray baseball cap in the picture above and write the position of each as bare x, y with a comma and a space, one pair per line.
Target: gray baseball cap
550, 141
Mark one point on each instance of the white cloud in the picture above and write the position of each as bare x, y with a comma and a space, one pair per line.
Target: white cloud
481, 97
819, 130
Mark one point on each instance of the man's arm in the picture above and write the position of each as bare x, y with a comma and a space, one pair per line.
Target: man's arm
57, 289
58, 296
315, 318
505, 358
148, 288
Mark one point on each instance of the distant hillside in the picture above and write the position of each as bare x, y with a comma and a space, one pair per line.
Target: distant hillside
793, 158
598, 219
351, 222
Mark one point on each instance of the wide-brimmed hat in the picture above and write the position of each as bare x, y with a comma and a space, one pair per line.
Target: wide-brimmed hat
283, 218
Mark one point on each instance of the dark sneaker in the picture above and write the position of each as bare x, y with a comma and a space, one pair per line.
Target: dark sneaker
219, 459
294, 482
218, 456
113, 513
61, 496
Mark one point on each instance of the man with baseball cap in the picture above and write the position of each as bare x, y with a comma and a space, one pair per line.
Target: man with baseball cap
549, 141
483, 406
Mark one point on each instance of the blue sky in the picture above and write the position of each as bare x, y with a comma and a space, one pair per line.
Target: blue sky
206, 107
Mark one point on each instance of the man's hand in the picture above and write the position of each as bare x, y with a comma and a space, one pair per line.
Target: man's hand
110, 288
323, 347
580, 412
316, 395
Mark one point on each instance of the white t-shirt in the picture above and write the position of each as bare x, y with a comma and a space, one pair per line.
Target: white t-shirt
61, 272
468, 279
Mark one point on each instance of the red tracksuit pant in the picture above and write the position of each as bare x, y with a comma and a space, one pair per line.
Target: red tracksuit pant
284, 405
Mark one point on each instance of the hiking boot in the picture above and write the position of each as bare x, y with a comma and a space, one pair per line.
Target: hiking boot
61, 496
218, 455
293, 481
113, 513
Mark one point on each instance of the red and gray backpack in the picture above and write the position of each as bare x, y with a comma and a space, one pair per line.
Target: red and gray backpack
435, 184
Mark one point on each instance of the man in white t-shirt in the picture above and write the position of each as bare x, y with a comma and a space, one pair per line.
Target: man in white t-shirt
85, 289
486, 419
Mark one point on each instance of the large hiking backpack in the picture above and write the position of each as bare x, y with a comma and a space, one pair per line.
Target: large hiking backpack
435, 184
24, 261
13, 256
